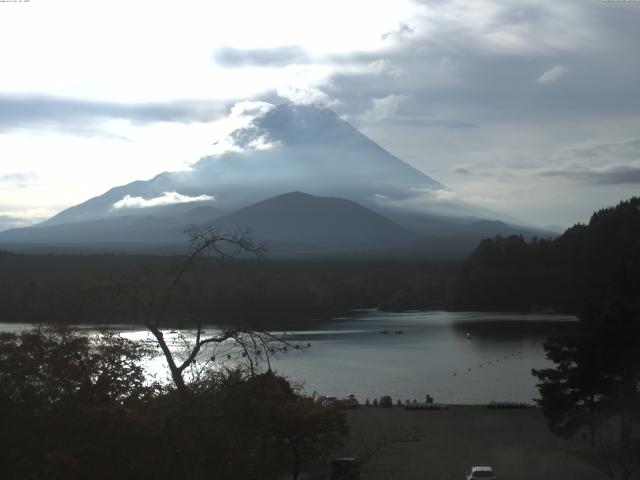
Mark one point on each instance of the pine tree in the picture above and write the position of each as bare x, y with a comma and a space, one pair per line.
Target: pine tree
596, 381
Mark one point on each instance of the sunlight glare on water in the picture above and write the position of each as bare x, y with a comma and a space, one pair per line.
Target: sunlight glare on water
456, 357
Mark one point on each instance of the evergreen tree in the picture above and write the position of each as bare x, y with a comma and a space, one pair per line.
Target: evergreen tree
596, 381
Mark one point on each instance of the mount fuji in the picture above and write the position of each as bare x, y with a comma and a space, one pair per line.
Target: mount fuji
279, 149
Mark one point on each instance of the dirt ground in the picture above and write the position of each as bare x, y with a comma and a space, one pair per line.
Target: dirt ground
442, 445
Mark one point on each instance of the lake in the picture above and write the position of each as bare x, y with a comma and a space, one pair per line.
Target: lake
433, 355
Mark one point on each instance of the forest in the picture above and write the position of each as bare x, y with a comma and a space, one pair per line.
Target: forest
88, 288
503, 273
560, 274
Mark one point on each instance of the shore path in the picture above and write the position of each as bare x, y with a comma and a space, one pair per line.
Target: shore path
442, 445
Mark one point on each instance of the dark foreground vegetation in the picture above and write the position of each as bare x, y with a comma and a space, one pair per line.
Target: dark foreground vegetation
593, 392
74, 407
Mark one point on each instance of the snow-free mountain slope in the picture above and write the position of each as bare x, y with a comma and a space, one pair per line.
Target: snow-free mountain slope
298, 222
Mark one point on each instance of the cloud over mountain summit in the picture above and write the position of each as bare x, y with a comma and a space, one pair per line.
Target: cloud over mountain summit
277, 149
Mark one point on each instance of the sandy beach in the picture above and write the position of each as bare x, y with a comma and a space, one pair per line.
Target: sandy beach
443, 444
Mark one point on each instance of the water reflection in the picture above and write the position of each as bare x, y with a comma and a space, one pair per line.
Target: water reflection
433, 355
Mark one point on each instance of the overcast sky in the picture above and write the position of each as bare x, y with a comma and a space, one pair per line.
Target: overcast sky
531, 108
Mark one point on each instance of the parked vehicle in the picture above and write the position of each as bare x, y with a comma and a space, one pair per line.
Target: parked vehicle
326, 401
481, 473
386, 402
351, 402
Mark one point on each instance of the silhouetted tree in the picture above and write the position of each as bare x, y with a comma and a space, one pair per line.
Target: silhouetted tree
155, 305
596, 382
70, 406
570, 392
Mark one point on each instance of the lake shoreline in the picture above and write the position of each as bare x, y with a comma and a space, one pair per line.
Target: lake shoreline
457, 358
298, 324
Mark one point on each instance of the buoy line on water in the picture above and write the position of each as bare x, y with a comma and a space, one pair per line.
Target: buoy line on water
497, 360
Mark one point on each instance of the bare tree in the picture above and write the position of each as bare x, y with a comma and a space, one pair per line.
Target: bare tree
254, 346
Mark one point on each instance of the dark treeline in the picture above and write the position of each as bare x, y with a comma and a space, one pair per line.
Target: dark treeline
561, 274
503, 273
96, 288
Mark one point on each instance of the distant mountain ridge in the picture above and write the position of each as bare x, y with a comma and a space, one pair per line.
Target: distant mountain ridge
285, 148
290, 147
292, 223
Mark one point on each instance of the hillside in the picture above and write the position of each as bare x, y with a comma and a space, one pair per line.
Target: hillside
510, 273
300, 223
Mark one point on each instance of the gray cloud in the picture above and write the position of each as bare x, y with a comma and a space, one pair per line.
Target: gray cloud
617, 175
7, 222
482, 72
18, 179
553, 74
10, 221
260, 57
58, 113
520, 14
607, 151
487, 72
403, 29
606, 163
603, 163
459, 70
410, 121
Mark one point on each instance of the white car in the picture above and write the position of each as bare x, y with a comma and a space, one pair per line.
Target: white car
351, 402
328, 401
484, 473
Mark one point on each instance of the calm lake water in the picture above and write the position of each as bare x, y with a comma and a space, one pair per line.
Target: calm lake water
432, 355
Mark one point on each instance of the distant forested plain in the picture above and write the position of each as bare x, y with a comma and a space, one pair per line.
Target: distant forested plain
110, 289
502, 274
